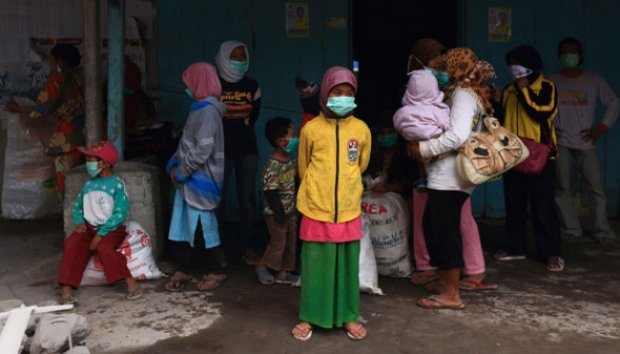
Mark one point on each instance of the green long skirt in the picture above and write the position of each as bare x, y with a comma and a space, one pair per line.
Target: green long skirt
330, 294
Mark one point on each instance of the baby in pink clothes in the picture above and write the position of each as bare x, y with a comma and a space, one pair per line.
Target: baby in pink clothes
423, 114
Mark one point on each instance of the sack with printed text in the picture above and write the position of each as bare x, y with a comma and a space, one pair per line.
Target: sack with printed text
389, 232
136, 248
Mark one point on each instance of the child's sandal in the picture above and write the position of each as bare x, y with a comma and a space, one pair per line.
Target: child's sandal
210, 282
134, 293
289, 279
355, 331
302, 331
68, 300
177, 283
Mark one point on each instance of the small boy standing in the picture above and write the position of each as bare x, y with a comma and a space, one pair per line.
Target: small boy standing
279, 210
98, 215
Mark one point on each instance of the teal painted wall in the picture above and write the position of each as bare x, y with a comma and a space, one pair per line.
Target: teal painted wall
192, 30
544, 23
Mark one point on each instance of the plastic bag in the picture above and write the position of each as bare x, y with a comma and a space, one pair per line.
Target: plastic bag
369, 279
26, 167
389, 230
136, 248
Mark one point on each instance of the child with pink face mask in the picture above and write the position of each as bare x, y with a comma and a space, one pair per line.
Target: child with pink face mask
334, 151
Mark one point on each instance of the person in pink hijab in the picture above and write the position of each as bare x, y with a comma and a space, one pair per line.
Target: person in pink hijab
334, 150
197, 171
202, 81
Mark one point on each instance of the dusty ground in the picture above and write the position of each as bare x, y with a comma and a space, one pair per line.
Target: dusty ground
577, 311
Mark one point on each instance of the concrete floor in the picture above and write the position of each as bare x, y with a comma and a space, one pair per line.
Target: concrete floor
576, 311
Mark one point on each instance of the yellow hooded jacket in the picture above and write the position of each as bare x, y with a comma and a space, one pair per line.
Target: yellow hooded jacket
333, 154
529, 112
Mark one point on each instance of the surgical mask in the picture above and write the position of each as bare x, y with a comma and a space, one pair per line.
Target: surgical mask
569, 60
92, 168
518, 71
189, 93
240, 67
388, 141
442, 77
58, 69
341, 105
292, 145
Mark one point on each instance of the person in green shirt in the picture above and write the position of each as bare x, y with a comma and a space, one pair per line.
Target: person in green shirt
99, 212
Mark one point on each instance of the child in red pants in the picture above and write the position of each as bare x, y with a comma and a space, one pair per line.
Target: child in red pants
98, 215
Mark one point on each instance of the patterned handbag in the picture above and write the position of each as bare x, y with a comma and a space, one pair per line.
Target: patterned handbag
489, 152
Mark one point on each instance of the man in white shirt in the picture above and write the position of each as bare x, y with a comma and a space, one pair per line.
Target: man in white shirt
578, 92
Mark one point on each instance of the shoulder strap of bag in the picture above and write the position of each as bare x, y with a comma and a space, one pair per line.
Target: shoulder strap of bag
476, 124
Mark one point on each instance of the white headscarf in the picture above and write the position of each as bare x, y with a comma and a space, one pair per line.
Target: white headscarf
222, 61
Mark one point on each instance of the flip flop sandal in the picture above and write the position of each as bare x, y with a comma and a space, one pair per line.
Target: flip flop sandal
219, 278
301, 330
433, 302
353, 331
177, 283
555, 264
472, 285
134, 293
265, 277
423, 278
289, 279
68, 300
214, 284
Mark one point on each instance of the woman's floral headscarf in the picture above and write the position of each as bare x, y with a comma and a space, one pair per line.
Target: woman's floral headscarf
466, 71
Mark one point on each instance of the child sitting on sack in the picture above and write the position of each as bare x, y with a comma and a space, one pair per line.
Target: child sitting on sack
99, 212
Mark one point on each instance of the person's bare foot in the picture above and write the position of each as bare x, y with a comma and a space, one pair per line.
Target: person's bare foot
355, 330
177, 282
66, 296
439, 302
302, 331
476, 282
210, 281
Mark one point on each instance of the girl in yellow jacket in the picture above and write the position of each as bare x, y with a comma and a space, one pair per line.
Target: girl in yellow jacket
334, 149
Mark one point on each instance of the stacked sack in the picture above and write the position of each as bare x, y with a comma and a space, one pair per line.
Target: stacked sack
389, 232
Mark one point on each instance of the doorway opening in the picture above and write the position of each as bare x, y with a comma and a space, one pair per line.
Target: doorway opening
383, 34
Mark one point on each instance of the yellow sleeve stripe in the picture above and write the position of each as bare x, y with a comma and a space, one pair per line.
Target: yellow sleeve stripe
546, 108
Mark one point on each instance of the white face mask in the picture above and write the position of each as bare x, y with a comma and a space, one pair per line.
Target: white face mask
518, 71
